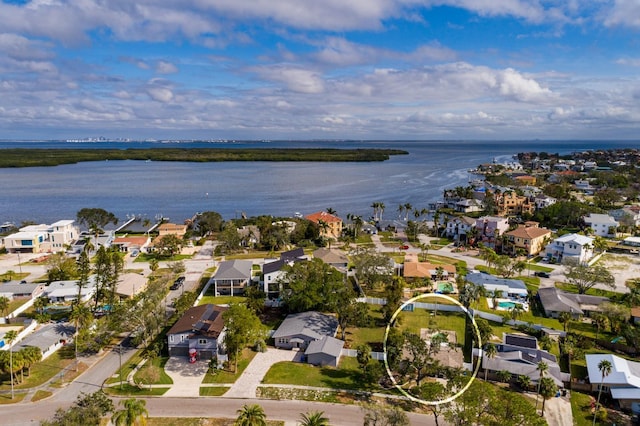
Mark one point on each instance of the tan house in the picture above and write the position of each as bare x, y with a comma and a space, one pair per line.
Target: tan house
172, 229
511, 204
429, 270
528, 237
128, 244
333, 228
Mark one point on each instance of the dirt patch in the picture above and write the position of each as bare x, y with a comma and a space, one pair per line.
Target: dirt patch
623, 268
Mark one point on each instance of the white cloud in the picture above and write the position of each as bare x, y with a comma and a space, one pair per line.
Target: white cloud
160, 94
632, 62
624, 12
295, 79
164, 67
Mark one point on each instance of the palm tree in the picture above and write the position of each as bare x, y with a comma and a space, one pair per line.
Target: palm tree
400, 210
314, 418
601, 323
543, 367
407, 210
40, 303
331, 210
504, 376
490, 351
133, 413
82, 316
605, 369
524, 381
381, 207
9, 337
4, 304
251, 415
516, 312
31, 355
564, 319
548, 388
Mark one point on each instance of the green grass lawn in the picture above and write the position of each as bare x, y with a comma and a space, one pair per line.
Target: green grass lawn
213, 390
126, 368
6, 398
224, 376
40, 394
41, 372
612, 295
160, 363
581, 409
222, 300
347, 376
128, 390
144, 257
16, 303
421, 318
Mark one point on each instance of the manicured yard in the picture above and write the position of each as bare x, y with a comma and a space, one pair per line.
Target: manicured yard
158, 362
224, 376
6, 398
126, 368
581, 409
213, 390
40, 394
144, 257
41, 372
128, 390
222, 300
347, 376
421, 318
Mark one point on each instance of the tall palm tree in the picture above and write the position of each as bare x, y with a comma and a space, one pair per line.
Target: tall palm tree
9, 337
133, 413
490, 351
407, 209
4, 304
314, 418
605, 369
251, 415
543, 367
81, 316
400, 210
331, 210
381, 207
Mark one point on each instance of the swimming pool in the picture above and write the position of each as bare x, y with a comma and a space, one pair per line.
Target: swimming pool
444, 287
508, 305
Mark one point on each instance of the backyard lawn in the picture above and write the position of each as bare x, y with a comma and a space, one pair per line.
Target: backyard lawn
224, 376
222, 300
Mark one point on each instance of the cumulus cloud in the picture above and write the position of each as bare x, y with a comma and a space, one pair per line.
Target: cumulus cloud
623, 12
295, 79
164, 67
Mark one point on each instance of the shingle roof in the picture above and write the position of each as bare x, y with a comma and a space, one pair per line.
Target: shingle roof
204, 320
234, 269
330, 256
556, 300
312, 324
327, 345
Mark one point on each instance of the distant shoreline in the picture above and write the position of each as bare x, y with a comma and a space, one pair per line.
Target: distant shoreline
38, 157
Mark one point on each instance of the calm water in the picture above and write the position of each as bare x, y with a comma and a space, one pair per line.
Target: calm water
178, 190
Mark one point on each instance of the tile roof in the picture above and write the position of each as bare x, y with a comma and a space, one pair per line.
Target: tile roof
324, 216
425, 269
529, 232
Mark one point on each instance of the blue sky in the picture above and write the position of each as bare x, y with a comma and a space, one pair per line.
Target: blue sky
308, 69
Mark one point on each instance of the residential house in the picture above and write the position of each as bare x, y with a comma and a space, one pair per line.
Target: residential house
628, 216
129, 244
273, 271
520, 355
333, 257
324, 351
199, 330
573, 247
603, 225
130, 285
461, 228
525, 179
179, 230
469, 205
298, 330
622, 382
249, 235
555, 301
330, 225
528, 237
14, 290
511, 204
584, 186
232, 277
513, 289
489, 228
418, 270
542, 201
49, 338
631, 241
43, 238
67, 291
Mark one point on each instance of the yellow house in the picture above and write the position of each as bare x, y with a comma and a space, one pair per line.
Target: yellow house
333, 227
528, 237
172, 229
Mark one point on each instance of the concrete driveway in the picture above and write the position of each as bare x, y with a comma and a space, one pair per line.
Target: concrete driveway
248, 382
186, 377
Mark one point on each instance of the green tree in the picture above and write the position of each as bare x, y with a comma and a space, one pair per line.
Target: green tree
251, 415
393, 293
418, 355
134, 412
433, 392
311, 285
372, 267
255, 299
314, 418
209, 222
184, 302
364, 356
87, 410
95, 219
564, 318
616, 314
600, 322
512, 409
9, 337
524, 382
4, 305
61, 267
490, 351
31, 355
40, 303
504, 376
154, 264
82, 317
230, 238
583, 277
548, 389
168, 245
84, 271
605, 367
542, 368
243, 328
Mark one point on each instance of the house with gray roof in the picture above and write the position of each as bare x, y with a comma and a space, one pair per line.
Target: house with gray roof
200, 330
67, 291
570, 247
13, 290
519, 355
514, 289
49, 338
312, 332
232, 277
333, 257
623, 382
273, 271
555, 301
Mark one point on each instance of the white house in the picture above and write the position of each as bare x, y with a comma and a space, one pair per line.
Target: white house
488, 228
43, 238
570, 246
67, 291
515, 289
603, 225
623, 382
461, 228
541, 201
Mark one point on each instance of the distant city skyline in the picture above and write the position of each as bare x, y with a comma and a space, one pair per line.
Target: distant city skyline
302, 69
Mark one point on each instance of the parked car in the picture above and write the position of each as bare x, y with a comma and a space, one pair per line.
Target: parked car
542, 274
177, 283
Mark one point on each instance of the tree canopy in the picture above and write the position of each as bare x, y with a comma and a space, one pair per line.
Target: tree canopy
312, 285
583, 277
95, 218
